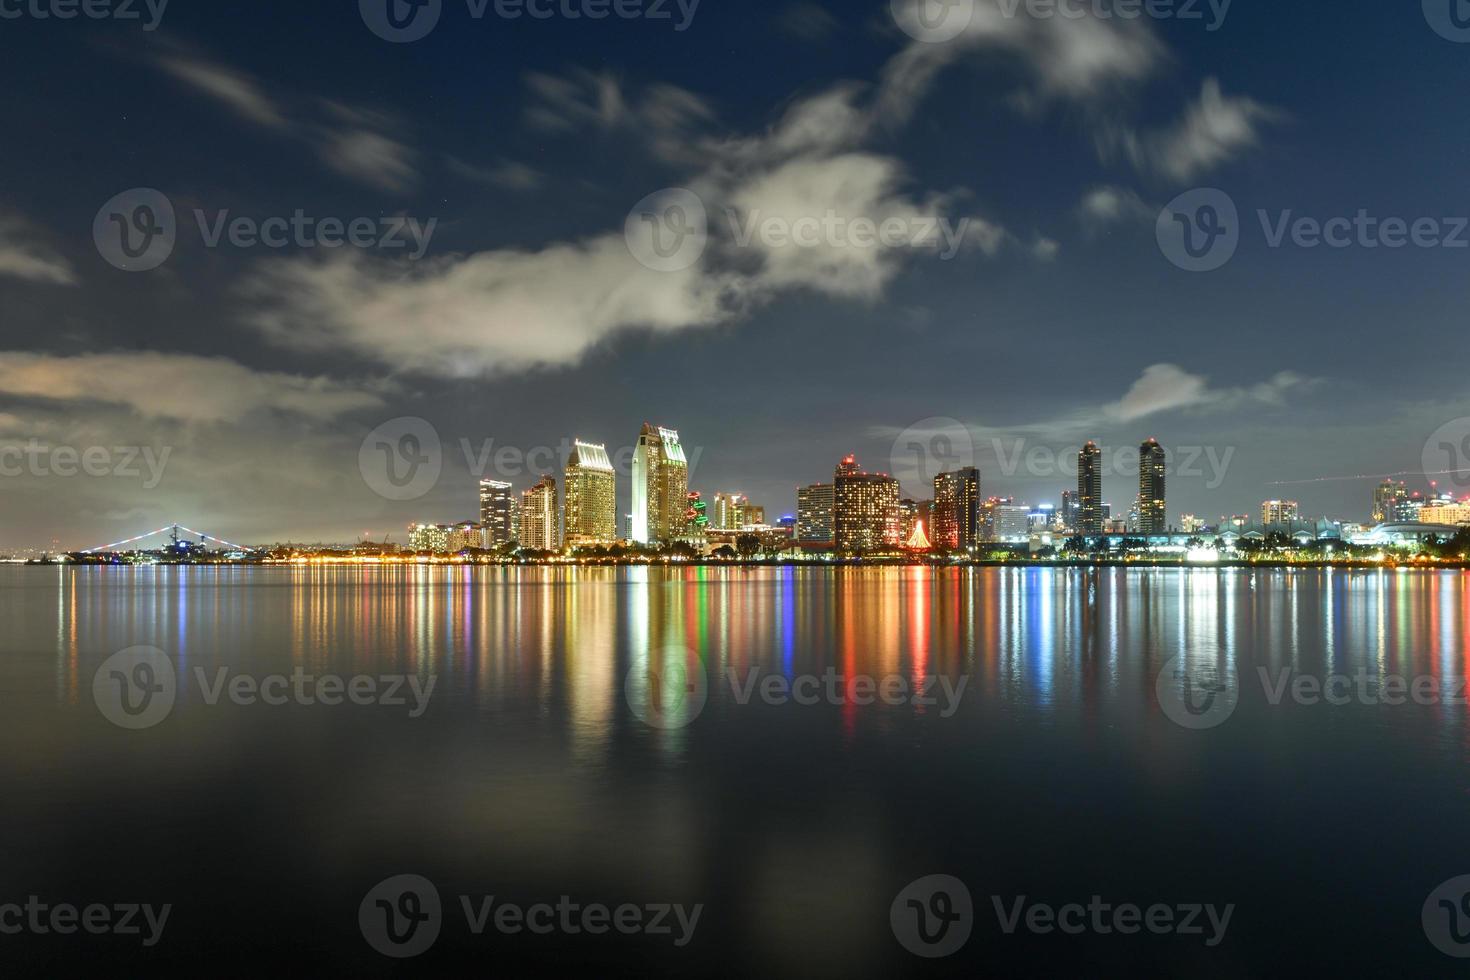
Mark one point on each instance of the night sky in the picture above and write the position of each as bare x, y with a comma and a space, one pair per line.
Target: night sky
528, 319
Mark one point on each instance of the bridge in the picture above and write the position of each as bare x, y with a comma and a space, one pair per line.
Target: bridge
172, 530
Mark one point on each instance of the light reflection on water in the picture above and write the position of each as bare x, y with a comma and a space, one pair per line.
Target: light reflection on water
1059, 773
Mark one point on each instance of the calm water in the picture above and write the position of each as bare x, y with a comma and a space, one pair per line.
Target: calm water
1056, 772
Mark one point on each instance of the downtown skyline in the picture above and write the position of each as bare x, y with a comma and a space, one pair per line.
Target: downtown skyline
1058, 321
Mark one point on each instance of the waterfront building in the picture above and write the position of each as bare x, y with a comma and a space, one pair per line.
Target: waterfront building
1012, 524
590, 497
814, 507
865, 509
539, 516
1153, 515
956, 515
660, 486
497, 512
1388, 497
1446, 513
1090, 507
429, 538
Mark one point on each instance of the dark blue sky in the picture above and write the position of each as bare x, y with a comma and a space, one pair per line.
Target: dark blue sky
529, 321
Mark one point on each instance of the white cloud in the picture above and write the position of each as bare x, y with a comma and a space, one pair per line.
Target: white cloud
1168, 387
176, 386
1103, 206
23, 257
1213, 130
237, 91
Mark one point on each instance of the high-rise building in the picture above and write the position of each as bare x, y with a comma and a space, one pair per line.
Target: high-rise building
865, 509
1068, 512
1153, 517
538, 516
1446, 513
1089, 490
660, 486
430, 538
497, 512
590, 511
1280, 512
1388, 500
1012, 524
814, 506
465, 536
956, 520
727, 511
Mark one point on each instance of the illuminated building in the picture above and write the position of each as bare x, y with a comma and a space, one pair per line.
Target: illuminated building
589, 509
1089, 490
728, 510
814, 506
429, 538
1280, 512
539, 517
660, 486
1190, 524
465, 536
752, 515
1388, 498
1153, 517
1068, 513
497, 512
956, 519
864, 509
696, 520
1012, 524
1446, 513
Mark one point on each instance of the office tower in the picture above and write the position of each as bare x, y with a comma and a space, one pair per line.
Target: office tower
590, 511
956, 513
1388, 498
727, 511
463, 537
497, 506
538, 516
814, 505
1089, 490
1280, 512
1153, 515
660, 486
752, 515
1012, 524
1069, 509
865, 510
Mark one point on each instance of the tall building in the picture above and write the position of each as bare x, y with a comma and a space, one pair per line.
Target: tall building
1388, 500
1446, 513
1012, 524
1153, 516
1069, 509
538, 516
497, 512
590, 511
1280, 512
865, 509
728, 509
814, 506
431, 538
660, 486
956, 520
1089, 490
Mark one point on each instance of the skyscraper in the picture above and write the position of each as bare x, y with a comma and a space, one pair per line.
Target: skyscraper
1089, 490
1388, 500
497, 512
590, 510
956, 522
814, 506
538, 516
866, 512
660, 486
1153, 515
728, 508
